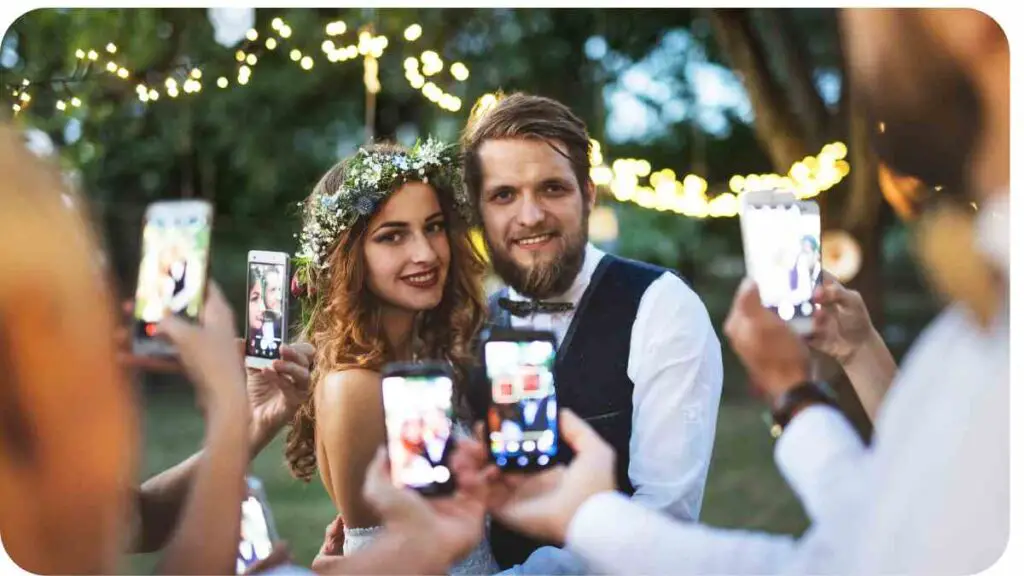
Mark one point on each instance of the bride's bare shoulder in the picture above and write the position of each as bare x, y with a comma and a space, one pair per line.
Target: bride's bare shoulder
348, 388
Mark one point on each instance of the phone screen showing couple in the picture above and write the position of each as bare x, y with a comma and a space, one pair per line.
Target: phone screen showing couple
418, 418
522, 419
265, 313
783, 256
172, 272
256, 542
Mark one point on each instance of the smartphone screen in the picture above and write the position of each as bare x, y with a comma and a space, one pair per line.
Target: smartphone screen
256, 541
522, 419
782, 245
172, 272
265, 310
418, 417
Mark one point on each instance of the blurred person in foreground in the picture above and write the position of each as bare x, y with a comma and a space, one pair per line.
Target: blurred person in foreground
930, 495
69, 446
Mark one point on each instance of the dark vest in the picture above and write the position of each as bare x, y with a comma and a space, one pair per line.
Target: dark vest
590, 374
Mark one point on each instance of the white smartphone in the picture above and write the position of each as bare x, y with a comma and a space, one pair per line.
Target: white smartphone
172, 271
257, 531
266, 312
782, 251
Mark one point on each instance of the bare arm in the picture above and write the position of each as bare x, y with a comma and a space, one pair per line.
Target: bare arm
871, 370
350, 425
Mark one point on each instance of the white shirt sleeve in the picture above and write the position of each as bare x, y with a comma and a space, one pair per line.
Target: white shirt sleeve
615, 536
675, 363
823, 459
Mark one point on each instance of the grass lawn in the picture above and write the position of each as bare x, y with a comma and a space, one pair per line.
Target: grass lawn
744, 490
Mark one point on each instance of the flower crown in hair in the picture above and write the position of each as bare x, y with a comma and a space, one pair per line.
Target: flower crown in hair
370, 178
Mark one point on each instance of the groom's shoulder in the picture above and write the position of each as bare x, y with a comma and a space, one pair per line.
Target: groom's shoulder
648, 272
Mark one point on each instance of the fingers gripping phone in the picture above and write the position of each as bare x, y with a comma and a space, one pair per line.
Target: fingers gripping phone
173, 270
257, 532
266, 316
782, 251
522, 418
418, 418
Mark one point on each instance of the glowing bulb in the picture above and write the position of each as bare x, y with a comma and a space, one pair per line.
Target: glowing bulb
413, 32
251, 59
122, 73
170, 83
459, 71
16, 108
417, 82
285, 31
61, 105
429, 56
144, 96
240, 56
271, 43
196, 73
295, 55
306, 63
840, 149
80, 54
153, 94
111, 48
93, 55
25, 97
336, 28
222, 82
252, 35
327, 46
243, 80
244, 70
111, 67
456, 103
172, 92
276, 23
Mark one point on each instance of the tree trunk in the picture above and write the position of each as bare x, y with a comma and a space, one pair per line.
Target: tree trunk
774, 123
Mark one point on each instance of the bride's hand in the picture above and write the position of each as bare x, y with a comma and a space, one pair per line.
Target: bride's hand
441, 529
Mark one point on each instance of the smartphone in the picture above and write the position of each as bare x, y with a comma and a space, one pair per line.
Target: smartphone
782, 252
522, 418
266, 316
257, 534
173, 269
418, 417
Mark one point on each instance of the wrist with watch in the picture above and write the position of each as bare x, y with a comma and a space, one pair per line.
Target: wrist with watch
792, 401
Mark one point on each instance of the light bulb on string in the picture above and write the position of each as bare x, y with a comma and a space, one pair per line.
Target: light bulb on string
196, 73
222, 82
122, 73
295, 55
251, 59
80, 54
111, 48
459, 71
285, 31
240, 56
252, 35
276, 24
271, 43
61, 105
306, 63
93, 55
413, 32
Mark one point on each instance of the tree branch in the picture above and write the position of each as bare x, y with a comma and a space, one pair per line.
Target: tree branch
774, 123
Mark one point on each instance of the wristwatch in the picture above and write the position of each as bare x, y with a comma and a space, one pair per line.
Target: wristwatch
791, 401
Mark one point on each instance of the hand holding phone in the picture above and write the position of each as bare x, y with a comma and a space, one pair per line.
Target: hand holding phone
418, 418
522, 418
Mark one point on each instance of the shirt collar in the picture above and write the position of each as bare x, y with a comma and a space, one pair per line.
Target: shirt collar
591, 258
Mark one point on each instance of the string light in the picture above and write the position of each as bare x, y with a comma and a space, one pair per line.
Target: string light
459, 71
80, 54
222, 82
76, 102
413, 32
61, 105
336, 28
251, 59
93, 55
271, 43
295, 55
276, 24
111, 48
196, 73
285, 31
306, 63
252, 35
240, 56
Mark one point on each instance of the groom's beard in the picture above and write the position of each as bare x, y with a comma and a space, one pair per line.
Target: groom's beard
542, 279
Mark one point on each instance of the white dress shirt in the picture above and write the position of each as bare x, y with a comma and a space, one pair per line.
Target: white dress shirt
675, 364
929, 496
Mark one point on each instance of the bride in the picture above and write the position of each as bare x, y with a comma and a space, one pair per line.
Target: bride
386, 273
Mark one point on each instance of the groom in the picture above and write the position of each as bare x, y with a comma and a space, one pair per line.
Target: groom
638, 357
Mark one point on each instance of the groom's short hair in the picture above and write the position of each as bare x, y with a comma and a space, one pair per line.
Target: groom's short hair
524, 116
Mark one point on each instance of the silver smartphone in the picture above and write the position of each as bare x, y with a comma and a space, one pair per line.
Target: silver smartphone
782, 252
172, 271
266, 315
257, 531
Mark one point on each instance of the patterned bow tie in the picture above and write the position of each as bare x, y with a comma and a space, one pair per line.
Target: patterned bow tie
525, 308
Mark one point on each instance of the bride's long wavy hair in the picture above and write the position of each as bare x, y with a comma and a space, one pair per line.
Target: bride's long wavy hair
345, 327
